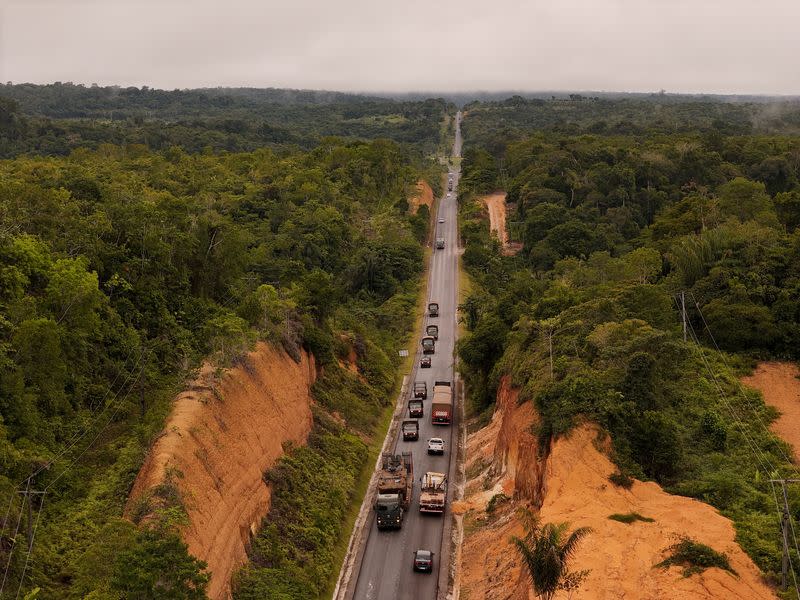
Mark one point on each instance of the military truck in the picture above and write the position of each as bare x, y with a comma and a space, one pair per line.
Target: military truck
410, 430
415, 409
428, 345
396, 478
442, 404
389, 511
433, 331
433, 309
439, 243
420, 389
433, 493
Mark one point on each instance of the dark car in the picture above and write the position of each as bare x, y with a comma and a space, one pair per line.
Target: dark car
423, 561
425, 362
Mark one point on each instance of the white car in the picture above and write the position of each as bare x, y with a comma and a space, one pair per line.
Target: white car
436, 446
441, 220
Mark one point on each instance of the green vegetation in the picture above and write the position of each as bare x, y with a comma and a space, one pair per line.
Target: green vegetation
122, 268
57, 118
494, 125
695, 557
496, 501
629, 518
546, 551
311, 491
585, 319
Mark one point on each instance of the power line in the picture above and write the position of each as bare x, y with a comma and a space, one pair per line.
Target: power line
765, 463
784, 515
740, 386
13, 546
30, 543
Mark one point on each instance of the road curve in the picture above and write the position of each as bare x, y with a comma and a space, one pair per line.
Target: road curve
385, 571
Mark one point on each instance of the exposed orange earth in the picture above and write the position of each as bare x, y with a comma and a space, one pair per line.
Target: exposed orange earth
779, 384
223, 433
423, 195
571, 484
496, 206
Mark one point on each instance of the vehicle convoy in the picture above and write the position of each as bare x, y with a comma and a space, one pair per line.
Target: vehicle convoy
433, 493
428, 345
415, 409
433, 331
433, 309
420, 389
442, 404
410, 430
395, 479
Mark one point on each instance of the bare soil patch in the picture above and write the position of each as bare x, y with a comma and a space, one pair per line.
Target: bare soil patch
423, 195
496, 206
779, 384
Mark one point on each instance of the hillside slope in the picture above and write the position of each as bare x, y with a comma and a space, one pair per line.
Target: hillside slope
223, 434
571, 484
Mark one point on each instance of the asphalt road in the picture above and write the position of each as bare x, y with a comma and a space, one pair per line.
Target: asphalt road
385, 572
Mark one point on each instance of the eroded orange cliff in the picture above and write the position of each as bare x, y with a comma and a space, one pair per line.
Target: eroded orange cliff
570, 484
225, 430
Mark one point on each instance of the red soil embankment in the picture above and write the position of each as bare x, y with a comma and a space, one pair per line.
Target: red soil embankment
424, 195
571, 485
223, 433
496, 206
779, 384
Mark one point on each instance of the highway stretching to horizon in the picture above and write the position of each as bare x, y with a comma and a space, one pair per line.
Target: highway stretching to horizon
385, 571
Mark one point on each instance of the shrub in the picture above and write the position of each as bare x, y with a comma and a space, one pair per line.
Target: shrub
495, 501
621, 479
695, 558
630, 517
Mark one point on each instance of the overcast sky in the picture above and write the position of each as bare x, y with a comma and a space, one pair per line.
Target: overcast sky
727, 46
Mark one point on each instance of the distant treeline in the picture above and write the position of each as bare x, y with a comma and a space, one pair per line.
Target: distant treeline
54, 119
494, 125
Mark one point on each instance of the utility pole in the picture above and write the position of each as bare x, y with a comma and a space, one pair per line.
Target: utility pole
142, 406
683, 313
785, 528
27, 499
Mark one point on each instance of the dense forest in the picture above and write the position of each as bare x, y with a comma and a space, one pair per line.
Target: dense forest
121, 268
619, 230
57, 118
495, 124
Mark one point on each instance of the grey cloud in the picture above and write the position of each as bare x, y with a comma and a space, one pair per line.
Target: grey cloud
377, 45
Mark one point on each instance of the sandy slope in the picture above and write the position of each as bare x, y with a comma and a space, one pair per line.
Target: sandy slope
222, 435
779, 383
496, 205
572, 485
424, 195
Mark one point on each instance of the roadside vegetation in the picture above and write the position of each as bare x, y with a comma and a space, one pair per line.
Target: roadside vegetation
121, 268
586, 318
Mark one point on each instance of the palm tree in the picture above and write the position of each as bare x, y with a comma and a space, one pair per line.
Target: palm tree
546, 550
